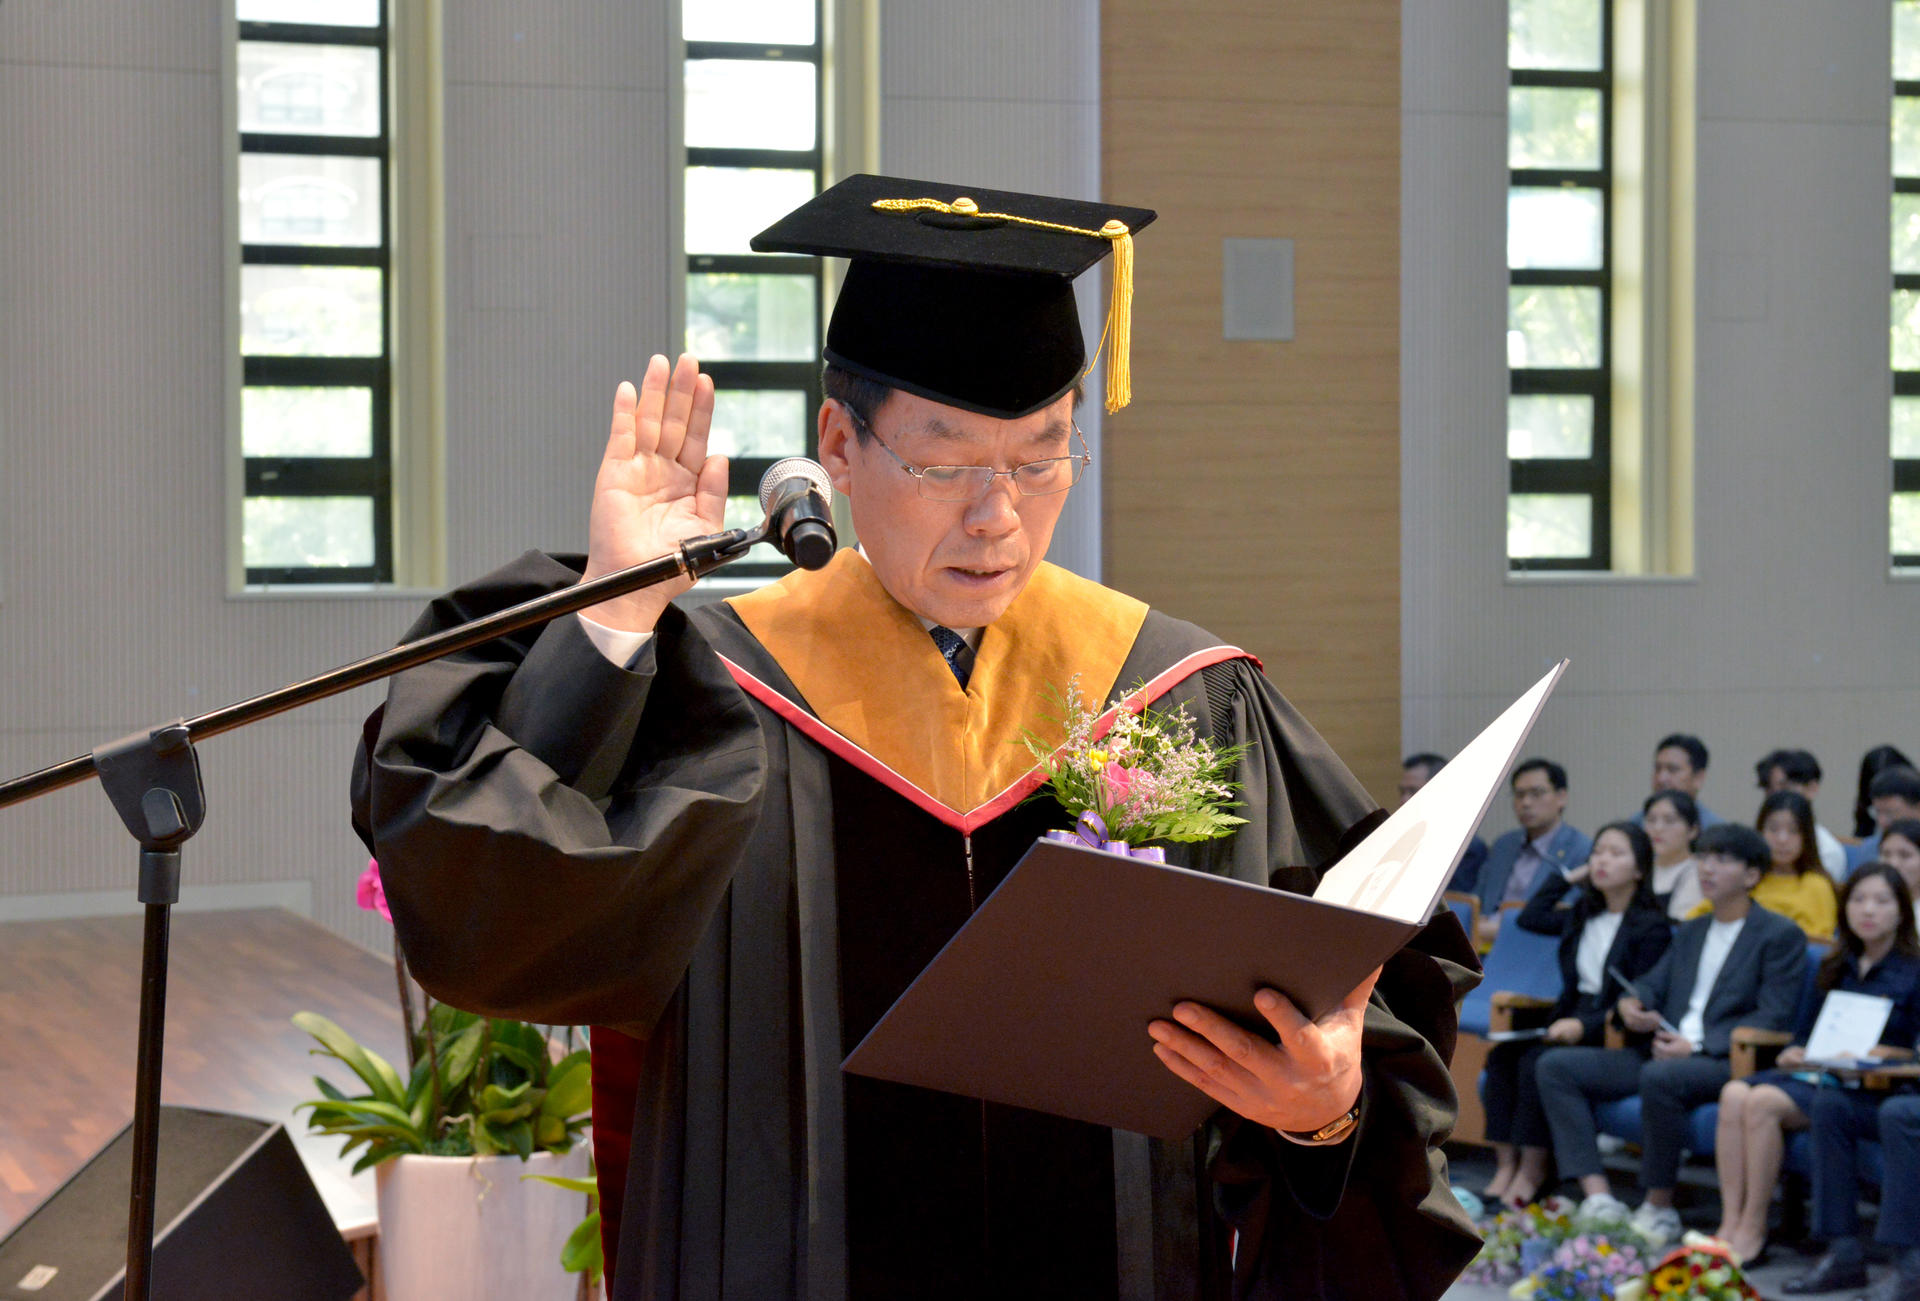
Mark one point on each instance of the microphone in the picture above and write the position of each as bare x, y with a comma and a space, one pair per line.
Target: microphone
797, 497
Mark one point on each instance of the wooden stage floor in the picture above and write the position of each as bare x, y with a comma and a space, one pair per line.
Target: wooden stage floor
69, 1017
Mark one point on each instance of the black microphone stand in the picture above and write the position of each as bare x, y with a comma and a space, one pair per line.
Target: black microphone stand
153, 780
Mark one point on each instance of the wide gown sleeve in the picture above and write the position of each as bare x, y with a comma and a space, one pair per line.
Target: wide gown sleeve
555, 831
1371, 1217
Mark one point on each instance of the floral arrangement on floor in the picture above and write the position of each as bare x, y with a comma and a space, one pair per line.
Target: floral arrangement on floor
1147, 776
1588, 1265
1503, 1239
1549, 1251
1700, 1269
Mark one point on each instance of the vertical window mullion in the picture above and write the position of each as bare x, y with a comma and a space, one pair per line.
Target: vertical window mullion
1903, 434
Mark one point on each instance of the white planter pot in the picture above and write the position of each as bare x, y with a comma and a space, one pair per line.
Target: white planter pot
471, 1229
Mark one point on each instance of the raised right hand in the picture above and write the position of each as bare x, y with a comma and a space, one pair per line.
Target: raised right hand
657, 486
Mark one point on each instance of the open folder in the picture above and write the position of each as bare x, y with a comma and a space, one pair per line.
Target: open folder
1042, 999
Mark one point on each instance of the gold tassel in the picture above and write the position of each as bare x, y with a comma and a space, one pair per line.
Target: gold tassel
1119, 324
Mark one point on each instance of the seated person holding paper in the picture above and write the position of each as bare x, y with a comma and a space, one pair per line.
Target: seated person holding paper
1740, 965
1609, 925
1877, 955
741, 831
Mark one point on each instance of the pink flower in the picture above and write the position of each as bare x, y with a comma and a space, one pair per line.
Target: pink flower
1119, 784
371, 894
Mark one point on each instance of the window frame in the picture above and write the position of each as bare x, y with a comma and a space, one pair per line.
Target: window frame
371, 476
1590, 476
1905, 474
750, 376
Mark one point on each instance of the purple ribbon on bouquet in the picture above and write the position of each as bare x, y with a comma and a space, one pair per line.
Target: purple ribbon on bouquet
1092, 832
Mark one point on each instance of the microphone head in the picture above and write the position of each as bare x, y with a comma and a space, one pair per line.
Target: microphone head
795, 467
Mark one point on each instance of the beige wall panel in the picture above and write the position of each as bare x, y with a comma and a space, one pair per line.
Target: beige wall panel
1254, 487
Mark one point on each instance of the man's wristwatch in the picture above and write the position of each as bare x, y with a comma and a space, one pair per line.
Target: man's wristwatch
1331, 1132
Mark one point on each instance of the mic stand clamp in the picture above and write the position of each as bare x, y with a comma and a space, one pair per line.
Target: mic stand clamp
153, 780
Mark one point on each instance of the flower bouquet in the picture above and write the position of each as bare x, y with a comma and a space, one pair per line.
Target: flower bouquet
1588, 1265
1134, 774
1506, 1235
1700, 1269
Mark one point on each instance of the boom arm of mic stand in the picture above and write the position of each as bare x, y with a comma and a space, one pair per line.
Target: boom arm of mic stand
691, 559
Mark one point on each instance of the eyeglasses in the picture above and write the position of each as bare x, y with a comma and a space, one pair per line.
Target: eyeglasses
1040, 478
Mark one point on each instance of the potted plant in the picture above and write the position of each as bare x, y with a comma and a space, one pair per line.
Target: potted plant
481, 1102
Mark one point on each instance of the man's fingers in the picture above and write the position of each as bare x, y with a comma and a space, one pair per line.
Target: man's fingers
620, 437
1193, 1075
710, 492
1203, 1060
1228, 1038
647, 414
679, 408
693, 451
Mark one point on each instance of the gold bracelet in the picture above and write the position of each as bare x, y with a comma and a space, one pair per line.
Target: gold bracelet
1331, 1132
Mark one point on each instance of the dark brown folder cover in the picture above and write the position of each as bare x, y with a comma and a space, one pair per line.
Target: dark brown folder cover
1043, 998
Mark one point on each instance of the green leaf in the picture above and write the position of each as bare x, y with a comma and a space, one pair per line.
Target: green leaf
549, 1131
569, 1088
372, 1069
519, 1136
495, 1098
582, 1254
459, 1055
591, 1187
375, 1155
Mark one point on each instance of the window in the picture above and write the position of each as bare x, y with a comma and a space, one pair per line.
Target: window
1904, 509
753, 99
1559, 275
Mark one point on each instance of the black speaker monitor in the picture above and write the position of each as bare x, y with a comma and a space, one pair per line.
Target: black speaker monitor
235, 1215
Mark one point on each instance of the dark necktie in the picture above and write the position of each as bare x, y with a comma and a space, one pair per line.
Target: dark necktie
953, 649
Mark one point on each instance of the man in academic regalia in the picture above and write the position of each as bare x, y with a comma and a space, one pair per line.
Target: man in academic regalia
739, 833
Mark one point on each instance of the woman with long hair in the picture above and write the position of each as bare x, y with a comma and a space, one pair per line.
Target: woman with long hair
1672, 820
1872, 764
1877, 953
1900, 850
1796, 885
1606, 917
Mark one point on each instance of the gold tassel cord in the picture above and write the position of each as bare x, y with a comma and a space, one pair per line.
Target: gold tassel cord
1119, 323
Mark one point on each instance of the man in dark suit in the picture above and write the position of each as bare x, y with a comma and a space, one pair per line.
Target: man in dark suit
1742, 965
1543, 846
1842, 1119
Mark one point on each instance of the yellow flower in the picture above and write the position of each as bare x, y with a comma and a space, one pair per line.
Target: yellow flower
1097, 756
1670, 1281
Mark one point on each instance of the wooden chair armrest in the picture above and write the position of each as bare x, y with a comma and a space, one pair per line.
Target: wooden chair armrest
1512, 1011
1754, 1049
1613, 1036
1472, 901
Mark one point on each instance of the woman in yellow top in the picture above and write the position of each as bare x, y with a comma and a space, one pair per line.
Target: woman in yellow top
1795, 885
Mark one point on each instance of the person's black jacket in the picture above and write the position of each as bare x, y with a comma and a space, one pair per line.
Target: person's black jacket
1643, 937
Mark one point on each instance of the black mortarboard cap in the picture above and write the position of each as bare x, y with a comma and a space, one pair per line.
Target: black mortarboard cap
964, 295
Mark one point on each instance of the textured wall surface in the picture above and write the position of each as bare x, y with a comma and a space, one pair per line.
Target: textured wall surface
113, 608
1254, 486
1790, 632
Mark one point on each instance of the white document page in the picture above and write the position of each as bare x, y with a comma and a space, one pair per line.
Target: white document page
1849, 1027
1401, 870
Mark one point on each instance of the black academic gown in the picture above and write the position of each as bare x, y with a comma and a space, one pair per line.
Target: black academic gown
652, 848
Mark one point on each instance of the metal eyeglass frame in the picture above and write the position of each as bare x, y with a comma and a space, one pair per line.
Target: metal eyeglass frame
1081, 459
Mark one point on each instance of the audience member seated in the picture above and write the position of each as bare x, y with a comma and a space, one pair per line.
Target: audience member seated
1605, 915
1842, 1119
1900, 850
1877, 954
1416, 770
1795, 885
1542, 846
1680, 764
1672, 820
1892, 796
1872, 764
1740, 965
1799, 771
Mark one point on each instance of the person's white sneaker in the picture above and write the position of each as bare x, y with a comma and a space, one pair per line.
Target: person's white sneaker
1602, 1206
1659, 1225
